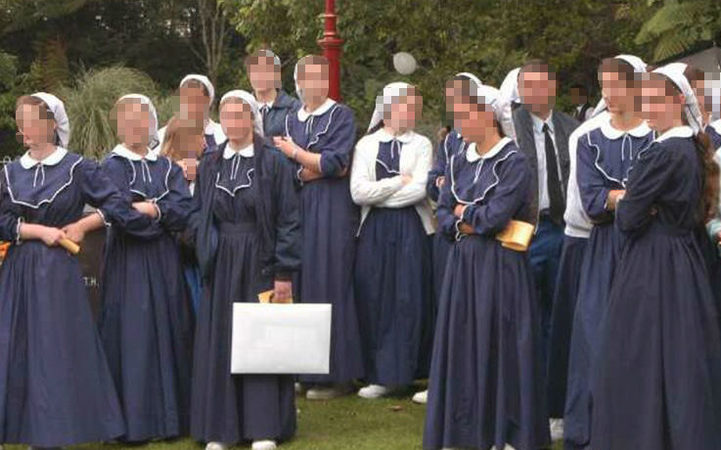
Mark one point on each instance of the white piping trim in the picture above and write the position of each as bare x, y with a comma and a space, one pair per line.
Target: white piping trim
327, 127
487, 190
237, 188
42, 202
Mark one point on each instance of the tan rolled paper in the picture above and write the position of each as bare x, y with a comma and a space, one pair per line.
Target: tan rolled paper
70, 246
517, 235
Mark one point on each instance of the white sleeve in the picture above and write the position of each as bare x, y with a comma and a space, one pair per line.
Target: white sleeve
415, 191
363, 189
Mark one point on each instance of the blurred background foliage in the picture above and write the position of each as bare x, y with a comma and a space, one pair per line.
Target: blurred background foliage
90, 52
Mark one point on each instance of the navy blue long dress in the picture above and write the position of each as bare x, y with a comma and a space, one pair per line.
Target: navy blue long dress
55, 385
329, 221
393, 285
564, 306
146, 320
605, 158
248, 234
486, 381
452, 145
658, 366
714, 133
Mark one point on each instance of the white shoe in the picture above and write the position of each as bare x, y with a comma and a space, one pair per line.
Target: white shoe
264, 445
216, 446
373, 391
420, 397
556, 429
328, 393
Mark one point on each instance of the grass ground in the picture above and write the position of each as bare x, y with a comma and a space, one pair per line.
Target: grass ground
348, 423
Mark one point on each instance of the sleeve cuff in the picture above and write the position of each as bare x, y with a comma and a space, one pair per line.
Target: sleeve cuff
457, 226
157, 210
297, 174
18, 239
467, 213
102, 217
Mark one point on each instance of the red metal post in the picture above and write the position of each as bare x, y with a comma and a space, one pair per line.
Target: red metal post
332, 46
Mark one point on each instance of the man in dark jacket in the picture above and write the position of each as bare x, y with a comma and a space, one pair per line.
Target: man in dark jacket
542, 135
263, 68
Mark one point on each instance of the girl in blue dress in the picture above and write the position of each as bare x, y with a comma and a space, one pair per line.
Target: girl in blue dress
319, 139
605, 157
452, 144
247, 231
393, 262
655, 382
146, 321
486, 380
55, 385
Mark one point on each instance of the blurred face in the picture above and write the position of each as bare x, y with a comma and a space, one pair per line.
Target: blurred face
620, 95
662, 107
453, 89
236, 118
404, 111
474, 122
537, 88
263, 74
313, 82
194, 104
133, 119
578, 96
34, 125
703, 95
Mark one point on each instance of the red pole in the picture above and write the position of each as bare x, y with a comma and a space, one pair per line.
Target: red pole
332, 46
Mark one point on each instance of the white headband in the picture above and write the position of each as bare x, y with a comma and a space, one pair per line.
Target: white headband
508, 96
57, 107
390, 95
205, 81
153, 127
490, 96
247, 98
692, 112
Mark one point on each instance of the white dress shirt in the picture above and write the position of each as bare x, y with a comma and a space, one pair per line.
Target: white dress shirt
539, 137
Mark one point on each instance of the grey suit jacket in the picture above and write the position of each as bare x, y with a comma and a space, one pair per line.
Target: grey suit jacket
563, 126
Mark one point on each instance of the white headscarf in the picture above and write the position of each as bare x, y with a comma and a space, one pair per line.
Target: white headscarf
471, 77
153, 128
383, 102
248, 98
205, 81
295, 78
639, 67
508, 96
490, 96
57, 107
692, 112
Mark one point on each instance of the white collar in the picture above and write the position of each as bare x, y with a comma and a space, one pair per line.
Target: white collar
683, 131
473, 156
538, 122
405, 138
126, 153
246, 152
28, 162
303, 115
613, 133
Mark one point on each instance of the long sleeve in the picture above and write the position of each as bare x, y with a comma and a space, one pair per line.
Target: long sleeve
415, 191
645, 185
438, 170
336, 145
504, 201
106, 188
447, 221
591, 182
9, 219
364, 189
287, 223
175, 206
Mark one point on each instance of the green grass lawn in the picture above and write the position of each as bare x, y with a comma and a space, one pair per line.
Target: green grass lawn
342, 424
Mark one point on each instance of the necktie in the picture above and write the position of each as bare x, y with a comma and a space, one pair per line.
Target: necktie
555, 193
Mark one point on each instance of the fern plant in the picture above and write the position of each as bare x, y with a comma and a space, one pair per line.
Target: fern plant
679, 25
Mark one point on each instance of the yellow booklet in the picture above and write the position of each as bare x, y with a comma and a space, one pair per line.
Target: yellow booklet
517, 235
267, 297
